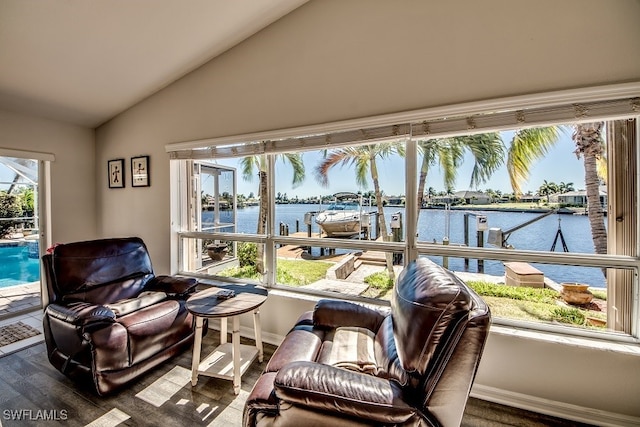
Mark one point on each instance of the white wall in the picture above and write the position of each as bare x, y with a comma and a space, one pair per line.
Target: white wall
73, 173
332, 60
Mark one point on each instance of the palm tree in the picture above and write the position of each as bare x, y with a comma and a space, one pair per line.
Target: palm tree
487, 150
430, 193
258, 163
547, 189
565, 187
590, 146
363, 157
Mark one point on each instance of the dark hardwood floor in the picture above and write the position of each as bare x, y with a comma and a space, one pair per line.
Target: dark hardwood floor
33, 393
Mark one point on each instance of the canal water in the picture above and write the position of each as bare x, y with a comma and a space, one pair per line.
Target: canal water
434, 223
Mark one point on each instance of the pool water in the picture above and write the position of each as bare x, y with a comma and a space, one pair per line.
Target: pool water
18, 264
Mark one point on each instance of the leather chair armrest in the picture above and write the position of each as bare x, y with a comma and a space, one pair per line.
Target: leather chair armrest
331, 389
335, 314
81, 313
172, 285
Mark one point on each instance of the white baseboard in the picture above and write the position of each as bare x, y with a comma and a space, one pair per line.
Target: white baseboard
553, 408
247, 332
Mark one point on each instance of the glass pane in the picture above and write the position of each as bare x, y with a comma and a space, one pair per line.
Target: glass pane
233, 188
340, 271
523, 189
223, 258
19, 232
217, 199
536, 292
340, 192
18, 196
247, 262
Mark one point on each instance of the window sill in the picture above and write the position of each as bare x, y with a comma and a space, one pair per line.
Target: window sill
630, 348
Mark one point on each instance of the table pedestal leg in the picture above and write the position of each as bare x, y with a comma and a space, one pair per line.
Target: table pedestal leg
235, 340
257, 328
197, 344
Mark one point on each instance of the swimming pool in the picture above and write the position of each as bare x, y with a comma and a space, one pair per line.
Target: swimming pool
18, 264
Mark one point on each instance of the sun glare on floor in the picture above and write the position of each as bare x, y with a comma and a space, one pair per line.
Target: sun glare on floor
165, 387
111, 418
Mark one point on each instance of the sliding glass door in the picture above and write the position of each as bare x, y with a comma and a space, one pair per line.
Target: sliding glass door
20, 234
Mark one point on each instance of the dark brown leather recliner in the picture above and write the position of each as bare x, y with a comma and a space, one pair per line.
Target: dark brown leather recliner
109, 318
347, 364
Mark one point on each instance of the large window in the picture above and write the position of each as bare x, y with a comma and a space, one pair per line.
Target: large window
518, 201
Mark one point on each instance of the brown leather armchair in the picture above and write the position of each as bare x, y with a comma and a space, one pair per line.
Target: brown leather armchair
109, 318
348, 364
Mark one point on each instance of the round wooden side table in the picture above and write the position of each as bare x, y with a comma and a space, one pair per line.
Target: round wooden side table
227, 361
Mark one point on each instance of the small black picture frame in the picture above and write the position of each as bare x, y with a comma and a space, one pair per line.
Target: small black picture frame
140, 171
115, 170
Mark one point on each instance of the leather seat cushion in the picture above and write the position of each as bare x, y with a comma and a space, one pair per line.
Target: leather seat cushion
145, 299
151, 328
353, 348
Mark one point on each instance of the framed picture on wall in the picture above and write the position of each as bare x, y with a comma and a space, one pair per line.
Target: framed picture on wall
115, 169
140, 171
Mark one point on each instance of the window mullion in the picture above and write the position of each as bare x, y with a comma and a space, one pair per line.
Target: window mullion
270, 253
411, 201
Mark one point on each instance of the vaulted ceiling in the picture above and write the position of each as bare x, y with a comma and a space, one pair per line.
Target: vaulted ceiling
85, 61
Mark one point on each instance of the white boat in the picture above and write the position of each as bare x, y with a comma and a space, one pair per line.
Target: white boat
343, 218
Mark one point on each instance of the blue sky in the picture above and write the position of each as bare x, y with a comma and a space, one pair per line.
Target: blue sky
560, 165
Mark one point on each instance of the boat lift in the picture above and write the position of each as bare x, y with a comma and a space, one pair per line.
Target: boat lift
562, 241
499, 237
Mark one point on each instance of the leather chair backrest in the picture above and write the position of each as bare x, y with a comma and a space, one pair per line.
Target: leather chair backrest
428, 305
99, 271
440, 327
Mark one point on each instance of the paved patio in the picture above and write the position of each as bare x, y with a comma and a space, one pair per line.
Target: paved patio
21, 303
19, 298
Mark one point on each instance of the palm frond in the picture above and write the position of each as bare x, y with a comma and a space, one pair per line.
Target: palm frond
343, 157
528, 146
295, 159
450, 155
488, 153
248, 166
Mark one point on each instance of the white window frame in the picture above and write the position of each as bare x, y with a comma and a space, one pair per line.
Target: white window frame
411, 248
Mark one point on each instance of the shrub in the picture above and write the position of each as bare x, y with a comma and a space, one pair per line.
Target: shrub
379, 280
10, 207
248, 254
569, 315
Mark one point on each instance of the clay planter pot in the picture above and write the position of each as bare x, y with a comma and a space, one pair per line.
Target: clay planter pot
217, 251
576, 293
596, 322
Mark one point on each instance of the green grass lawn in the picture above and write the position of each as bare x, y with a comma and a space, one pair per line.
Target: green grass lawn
291, 272
519, 303
533, 304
